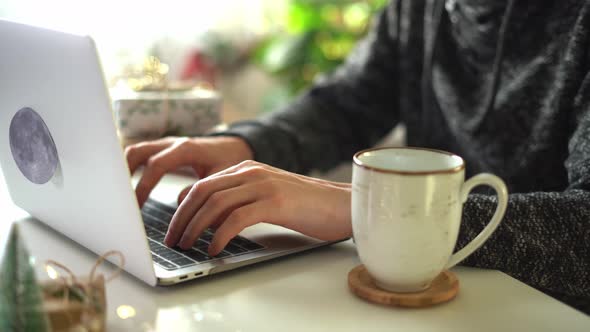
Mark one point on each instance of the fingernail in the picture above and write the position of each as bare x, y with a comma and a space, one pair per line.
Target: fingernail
184, 243
140, 200
168, 241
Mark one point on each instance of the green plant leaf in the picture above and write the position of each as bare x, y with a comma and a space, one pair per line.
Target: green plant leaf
317, 37
288, 51
303, 17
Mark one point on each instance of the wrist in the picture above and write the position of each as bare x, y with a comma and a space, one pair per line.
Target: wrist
244, 150
237, 147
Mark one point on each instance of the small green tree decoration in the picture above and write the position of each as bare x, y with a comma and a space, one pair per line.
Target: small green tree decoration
21, 306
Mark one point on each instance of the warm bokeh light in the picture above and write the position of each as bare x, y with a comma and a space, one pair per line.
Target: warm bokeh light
51, 272
125, 311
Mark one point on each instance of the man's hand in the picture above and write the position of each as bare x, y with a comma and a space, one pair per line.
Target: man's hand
250, 193
206, 155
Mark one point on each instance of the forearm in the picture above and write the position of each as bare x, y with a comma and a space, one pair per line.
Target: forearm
297, 139
542, 241
313, 138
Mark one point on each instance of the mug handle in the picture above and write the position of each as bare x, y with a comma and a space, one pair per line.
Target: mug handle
500, 188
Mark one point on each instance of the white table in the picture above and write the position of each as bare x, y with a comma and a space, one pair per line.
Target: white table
303, 292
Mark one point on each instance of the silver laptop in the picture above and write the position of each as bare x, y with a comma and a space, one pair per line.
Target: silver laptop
63, 163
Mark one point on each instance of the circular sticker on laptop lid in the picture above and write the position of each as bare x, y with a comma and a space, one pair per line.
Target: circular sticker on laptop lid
32, 146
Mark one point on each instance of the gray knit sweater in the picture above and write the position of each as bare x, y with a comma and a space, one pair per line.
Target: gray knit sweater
535, 135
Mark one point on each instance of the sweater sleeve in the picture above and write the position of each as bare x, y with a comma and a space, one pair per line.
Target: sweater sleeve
346, 111
544, 239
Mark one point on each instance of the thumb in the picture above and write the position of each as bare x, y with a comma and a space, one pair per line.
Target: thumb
183, 194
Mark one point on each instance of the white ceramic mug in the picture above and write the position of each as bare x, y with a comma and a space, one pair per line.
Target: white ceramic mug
406, 213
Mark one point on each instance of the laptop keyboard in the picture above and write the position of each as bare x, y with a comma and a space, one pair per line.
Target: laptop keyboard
157, 216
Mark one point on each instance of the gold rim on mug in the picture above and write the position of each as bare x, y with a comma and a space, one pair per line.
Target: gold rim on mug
384, 170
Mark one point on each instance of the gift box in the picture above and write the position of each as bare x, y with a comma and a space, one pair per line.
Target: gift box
147, 105
75, 305
153, 114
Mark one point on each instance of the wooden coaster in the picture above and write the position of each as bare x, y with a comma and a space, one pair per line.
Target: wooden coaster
443, 288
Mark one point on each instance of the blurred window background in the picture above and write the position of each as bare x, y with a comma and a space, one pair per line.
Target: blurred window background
258, 53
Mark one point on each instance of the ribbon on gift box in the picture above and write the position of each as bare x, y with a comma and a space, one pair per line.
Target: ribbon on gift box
154, 78
71, 301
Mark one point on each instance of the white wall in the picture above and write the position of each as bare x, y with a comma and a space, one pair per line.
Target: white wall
125, 29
